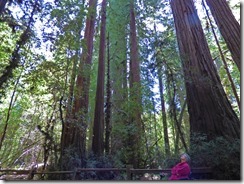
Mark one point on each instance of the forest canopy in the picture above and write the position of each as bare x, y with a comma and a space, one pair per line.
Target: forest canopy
112, 83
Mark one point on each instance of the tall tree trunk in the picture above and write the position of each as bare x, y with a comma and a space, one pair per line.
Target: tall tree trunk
117, 25
209, 109
157, 138
68, 117
108, 104
165, 126
161, 91
223, 59
98, 129
228, 26
175, 132
71, 87
173, 111
74, 131
135, 93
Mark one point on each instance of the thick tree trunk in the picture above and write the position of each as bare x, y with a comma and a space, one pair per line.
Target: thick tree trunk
228, 26
135, 94
74, 131
223, 59
209, 109
118, 22
98, 129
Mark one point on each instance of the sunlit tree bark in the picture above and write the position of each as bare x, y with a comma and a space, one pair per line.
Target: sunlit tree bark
73, 141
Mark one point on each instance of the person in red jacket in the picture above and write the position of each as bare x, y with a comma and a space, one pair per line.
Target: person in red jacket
182, 170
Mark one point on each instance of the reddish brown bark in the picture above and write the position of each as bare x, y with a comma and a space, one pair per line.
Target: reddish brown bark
209, 109
98, 128
223, 59
135, 93
74, 130
134, 63
228, 26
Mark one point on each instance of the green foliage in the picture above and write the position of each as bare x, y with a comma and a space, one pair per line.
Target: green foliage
222, 155
92, 162
235, 75
7, 46
18, 145
101, 162
44, 80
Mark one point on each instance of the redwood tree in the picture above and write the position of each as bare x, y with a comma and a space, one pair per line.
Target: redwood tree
223, 58
98, 129
73, 141
117, 24
228, 26
107, 119
135, 93
209, 109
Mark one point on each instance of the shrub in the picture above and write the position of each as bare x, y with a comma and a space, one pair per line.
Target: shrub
222, 155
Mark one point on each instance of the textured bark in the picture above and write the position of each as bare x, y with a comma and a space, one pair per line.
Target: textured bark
83, 79
134, 61
98, 128
209, 109
228, 26
74, 130
135, 94
223, 59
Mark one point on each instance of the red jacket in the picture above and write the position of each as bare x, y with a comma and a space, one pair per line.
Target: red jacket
180, 171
